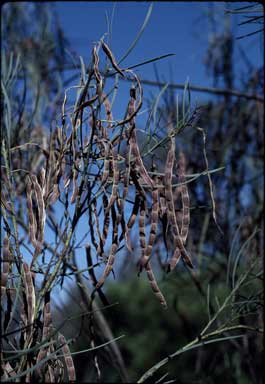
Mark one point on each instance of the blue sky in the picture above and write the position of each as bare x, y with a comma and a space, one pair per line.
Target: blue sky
174, 27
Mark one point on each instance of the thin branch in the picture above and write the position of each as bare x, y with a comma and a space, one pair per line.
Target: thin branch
216, 91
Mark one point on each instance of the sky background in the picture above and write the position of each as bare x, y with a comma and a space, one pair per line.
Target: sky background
182, 28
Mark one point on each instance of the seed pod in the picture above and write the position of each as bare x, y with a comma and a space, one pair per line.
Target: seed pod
5, 264
170, 204
142, 227
106, 224
96, 71
116, 179
185, 198
41, 216
30, 293
108, 52
153, 229
154, 285
114, 247
32, 220
68, 359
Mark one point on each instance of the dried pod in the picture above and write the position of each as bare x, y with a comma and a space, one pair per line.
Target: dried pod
30, 293
5, 262
170, 204
154, 285
68, 359
108, 52
185, 198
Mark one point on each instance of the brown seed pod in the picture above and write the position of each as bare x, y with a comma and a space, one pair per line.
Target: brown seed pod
30, 293
96, 220
134, 144
105, 174
108, 52
134, 213
116, 179
154, 285
106, 223
185, 198
39, 192
31, 217
6, 264
91, 227
141, 224
108, 112
96, 71
113, 250
170, 204
153, 228
68, 359
126, 182
138, 160
133, 109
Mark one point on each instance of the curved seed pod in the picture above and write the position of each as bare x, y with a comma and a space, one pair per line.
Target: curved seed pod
125, 233
91, 227
126, 182
142, 227
114, 247
75, 186
108, 52
134, 213
86, 103
138, 160
54, 194
115, 241
5, 263
96, 71
106, 224
132, 109
170, 204
94, 209
153, 229
185, 198
42, 216
163, 215
126, 178
134, 144
116, 179
174, 260
68, 359
154, 285
162, 202
43, 180
105, 174
108, 111
31, 217
30, 293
